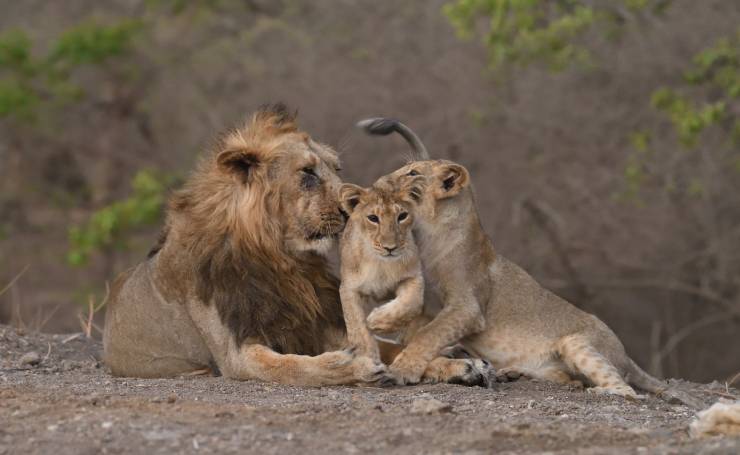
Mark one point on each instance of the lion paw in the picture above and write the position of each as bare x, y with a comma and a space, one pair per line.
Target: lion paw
367, 369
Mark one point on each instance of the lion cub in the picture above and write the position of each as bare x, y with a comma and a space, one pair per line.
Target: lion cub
526, 328
379, 260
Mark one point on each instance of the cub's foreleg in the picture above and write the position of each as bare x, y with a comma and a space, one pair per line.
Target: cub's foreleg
358, 334
460, 317
466, 371
399, 312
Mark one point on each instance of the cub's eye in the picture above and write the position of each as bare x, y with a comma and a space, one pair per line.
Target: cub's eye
412, 173
402, 216
373, 219
309, 171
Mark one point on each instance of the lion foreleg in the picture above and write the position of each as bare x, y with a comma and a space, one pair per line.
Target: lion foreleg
255, 361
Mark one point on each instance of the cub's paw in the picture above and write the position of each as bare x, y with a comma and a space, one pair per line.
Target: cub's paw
509, 375
468, 372
405, 370
384, 319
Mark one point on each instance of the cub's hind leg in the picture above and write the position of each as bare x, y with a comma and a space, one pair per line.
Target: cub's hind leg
552, 373
581, 357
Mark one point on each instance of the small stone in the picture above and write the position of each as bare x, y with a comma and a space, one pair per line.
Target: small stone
171, 398
429, 406
68, 365
161, 435
31, 358
106, 425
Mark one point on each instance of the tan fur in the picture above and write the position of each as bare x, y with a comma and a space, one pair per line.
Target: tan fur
497, 310
379, 259
238, 280
722, 419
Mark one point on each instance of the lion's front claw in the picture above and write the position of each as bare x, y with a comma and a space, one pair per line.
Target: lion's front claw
367, 369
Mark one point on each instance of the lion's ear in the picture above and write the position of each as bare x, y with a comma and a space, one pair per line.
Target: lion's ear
349, 196
240, 162
450, 179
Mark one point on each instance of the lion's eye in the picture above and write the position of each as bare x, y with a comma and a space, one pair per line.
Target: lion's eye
309, 180
412, 173
402, 216
373, 219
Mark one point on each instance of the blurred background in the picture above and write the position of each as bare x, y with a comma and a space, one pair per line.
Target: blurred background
603, 138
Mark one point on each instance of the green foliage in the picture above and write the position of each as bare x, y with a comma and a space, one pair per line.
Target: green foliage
635, 172
29, 81
718, 66
90, 43
707, 99
688, 121
521, 32
717, 71
109, 227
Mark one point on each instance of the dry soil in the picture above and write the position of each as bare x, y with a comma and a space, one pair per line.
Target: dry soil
67, 403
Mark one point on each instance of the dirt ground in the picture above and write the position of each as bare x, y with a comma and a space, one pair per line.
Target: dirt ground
68, 404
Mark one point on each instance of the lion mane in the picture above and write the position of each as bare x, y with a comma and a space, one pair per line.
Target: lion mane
231, 232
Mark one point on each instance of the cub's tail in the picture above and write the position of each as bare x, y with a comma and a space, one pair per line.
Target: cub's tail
637, 377
382, 126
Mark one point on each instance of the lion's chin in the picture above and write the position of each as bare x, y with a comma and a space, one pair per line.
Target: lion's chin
319, 245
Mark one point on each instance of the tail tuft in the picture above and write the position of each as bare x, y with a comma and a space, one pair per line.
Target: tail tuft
379, 126
383, 126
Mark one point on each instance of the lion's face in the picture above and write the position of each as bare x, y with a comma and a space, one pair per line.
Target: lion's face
382, 216
305, 179
285, 185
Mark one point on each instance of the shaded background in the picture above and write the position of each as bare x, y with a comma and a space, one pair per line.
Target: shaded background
624, 202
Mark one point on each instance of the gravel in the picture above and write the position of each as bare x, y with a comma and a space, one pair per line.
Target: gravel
69, 404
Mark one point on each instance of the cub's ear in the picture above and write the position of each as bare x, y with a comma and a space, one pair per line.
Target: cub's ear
413, 188
450, 179
240, 162
349, 196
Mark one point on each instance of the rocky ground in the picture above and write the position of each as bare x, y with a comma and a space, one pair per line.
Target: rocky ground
56, 397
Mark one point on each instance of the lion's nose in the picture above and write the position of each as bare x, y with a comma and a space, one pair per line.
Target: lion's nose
390, 249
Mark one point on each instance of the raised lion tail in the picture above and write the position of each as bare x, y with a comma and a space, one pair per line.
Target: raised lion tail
383, 126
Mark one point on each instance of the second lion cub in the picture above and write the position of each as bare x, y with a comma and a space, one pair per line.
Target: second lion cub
379, 260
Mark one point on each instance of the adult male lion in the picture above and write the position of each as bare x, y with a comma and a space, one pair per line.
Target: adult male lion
239, 280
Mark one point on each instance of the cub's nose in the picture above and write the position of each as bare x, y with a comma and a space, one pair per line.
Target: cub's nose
390, 249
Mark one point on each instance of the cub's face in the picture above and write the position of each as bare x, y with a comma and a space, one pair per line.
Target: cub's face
444, 179
381, 217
